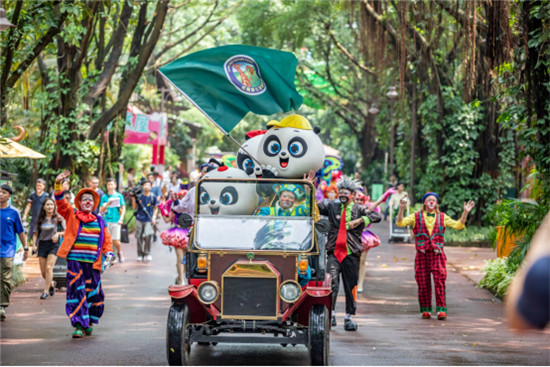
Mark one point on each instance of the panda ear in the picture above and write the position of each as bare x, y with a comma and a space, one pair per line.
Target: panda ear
316, 129
215, 161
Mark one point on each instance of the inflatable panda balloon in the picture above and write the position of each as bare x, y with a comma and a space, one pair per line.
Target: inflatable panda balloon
244, 161
227, 198
290, 148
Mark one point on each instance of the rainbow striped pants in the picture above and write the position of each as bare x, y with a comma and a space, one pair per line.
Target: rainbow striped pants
84, 294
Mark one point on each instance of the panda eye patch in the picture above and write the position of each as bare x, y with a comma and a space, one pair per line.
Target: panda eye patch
229, 195
241, 160
297, 147
203, 196
248, 163
272, 146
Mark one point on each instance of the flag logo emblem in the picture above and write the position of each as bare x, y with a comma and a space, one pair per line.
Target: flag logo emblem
243, 72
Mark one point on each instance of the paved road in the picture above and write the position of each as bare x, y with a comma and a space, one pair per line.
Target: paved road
132, 329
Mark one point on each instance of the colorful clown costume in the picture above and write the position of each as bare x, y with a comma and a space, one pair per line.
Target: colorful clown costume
85, 244
430, 260
84, 294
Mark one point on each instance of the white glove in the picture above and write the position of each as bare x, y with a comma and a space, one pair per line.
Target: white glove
108, 261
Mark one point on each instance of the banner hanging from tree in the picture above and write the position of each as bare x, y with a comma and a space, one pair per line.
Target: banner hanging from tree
227, 82
145, 129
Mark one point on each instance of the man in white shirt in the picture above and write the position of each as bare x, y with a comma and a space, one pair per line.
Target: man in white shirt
396, 198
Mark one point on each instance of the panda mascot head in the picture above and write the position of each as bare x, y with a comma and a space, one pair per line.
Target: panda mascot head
244, 161
290, 148
227, 198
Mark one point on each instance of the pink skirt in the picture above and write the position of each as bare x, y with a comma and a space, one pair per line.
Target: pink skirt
369, 240
176, 237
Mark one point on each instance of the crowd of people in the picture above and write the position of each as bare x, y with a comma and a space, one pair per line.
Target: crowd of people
85, 229
74, 227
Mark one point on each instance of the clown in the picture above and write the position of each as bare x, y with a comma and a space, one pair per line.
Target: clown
287, 195
368, 239
227, 198
290, 148
429, 226
176, 236
344, 246
244, 161
86, 242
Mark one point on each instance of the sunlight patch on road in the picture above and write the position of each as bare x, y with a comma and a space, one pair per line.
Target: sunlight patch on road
5, 341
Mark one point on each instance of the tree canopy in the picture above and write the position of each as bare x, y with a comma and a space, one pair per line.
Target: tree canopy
471, 120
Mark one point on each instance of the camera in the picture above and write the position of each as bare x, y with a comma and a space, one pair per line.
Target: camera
136, 191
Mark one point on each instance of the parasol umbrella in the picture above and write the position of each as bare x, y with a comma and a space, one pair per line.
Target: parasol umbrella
12, 149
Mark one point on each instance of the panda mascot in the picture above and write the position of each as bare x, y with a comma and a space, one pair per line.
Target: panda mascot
290, 148
250, 146
227, 198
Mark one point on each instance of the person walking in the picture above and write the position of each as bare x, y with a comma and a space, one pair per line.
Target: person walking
35, 202
12, 226
173, 184
146, 207
50, 227
396, 198
155, 188
429, 225
66, 185
93, 183
113, 208
391, 185
85, 244
344, 246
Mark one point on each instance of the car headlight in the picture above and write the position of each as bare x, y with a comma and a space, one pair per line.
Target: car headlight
290, 291
208, 292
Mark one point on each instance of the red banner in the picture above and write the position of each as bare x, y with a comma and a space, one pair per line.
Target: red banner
145, 129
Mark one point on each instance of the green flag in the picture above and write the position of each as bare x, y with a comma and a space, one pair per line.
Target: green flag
227, 82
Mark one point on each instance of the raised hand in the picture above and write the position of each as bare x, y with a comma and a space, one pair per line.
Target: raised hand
469, 206
63, 175
310, 176
403, 202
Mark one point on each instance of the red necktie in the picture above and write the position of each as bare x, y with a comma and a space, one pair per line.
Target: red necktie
340, 249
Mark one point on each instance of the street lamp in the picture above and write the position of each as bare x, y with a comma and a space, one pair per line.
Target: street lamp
373, 110
4, 22
392, 96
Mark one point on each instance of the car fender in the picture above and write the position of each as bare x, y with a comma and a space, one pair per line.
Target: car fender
311, 296
187, 294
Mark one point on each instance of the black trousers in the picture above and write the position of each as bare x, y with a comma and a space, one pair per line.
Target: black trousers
349, 268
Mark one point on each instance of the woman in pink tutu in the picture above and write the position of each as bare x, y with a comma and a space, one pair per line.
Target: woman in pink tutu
176, 236
369, 239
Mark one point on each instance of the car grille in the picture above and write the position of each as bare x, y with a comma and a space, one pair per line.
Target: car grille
249, 297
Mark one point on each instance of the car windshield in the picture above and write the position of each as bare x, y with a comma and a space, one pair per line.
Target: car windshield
254, 233
254, 215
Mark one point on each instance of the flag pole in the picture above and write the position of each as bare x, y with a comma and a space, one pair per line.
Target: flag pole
244, 150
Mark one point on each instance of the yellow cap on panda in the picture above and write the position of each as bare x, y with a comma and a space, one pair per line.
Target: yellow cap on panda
295, 121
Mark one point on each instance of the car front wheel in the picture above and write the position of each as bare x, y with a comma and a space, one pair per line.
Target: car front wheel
319, 335
178, 347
